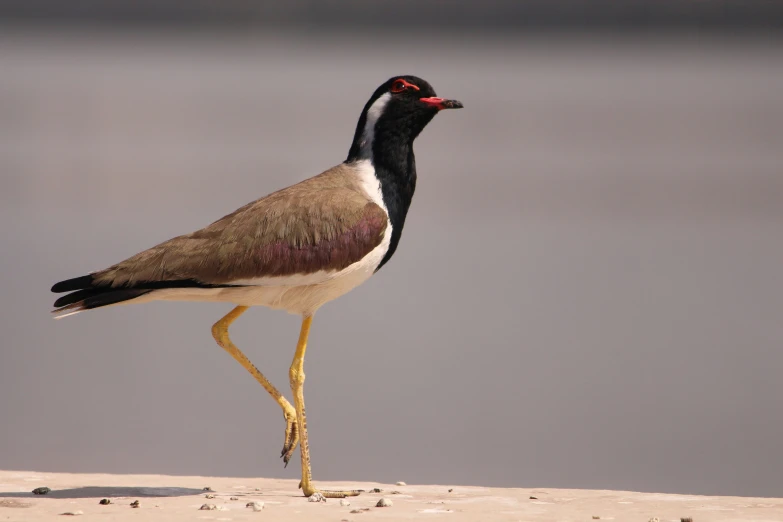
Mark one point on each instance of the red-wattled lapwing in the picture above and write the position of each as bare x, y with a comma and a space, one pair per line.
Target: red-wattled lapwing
293, 250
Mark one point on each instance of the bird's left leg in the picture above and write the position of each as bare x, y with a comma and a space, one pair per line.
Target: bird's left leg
220, 333
297, 377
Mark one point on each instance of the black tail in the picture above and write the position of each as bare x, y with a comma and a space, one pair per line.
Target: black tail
85, 295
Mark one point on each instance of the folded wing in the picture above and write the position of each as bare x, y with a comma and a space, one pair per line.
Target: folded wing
315, 228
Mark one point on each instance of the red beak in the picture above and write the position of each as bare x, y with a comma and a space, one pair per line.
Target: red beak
441, 103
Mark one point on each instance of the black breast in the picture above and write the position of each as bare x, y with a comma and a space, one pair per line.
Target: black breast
398, 182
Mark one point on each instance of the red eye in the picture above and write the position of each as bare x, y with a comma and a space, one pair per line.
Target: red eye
400, 85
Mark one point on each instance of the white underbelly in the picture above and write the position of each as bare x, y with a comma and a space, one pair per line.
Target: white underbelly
302, 300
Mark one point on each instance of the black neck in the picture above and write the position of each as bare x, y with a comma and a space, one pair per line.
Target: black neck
395, 168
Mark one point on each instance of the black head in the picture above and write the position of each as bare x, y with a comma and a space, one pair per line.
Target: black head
395, 114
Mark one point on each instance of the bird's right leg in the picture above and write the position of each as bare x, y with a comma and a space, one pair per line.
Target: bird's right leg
220, 333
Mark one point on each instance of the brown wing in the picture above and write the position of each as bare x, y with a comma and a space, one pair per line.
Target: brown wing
323, 223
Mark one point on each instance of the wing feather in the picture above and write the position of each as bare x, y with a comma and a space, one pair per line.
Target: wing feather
322, 224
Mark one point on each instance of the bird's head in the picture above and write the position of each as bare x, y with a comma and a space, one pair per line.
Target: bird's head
395, 114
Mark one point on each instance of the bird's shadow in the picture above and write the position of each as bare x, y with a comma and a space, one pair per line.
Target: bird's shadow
108, 492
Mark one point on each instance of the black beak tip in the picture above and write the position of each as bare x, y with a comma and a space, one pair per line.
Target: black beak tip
453, 104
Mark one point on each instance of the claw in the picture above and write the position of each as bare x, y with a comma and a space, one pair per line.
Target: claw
286, 456
291, 439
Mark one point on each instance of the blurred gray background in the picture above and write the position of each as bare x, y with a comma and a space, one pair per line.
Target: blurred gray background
588, 292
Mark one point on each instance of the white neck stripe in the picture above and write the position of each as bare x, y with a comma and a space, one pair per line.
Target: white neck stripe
373, 113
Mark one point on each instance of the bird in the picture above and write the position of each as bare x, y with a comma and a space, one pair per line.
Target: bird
294, 250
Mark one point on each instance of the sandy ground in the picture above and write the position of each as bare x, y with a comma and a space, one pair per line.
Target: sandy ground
173, 498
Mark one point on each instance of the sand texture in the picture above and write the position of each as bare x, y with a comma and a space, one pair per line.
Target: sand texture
174, 498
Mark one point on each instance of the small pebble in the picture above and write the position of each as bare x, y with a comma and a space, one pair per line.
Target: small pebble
256, 506
344, 502
396, 492
384, 502
316, 497
209, 495
533, 498
401, 484
257, 489
686, 519
654, 519
105, 502
73, 513
135, 504
376, 490
234, 498
451, 490
360, 510
208, 507
596, 517
207, 488
41, 491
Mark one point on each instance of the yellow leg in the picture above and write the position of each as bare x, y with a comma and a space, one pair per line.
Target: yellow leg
297, 377
220, 333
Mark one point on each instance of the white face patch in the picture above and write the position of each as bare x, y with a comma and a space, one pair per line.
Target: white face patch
373, 113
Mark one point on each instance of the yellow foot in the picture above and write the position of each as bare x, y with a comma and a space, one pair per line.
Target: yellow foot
291, 437
318, 495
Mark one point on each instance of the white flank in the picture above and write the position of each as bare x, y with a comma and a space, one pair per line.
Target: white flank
373, 113
292, 280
